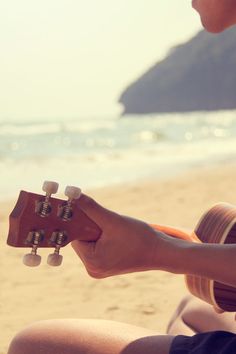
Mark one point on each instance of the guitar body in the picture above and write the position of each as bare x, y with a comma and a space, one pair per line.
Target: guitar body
218, 225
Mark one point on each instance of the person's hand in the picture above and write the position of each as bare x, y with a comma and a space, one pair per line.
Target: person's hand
125, 245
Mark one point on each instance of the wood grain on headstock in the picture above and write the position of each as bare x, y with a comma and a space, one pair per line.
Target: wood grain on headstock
24, 219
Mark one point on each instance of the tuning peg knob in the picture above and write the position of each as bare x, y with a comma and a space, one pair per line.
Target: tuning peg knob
72, 192
32, 260
50, 187
54, 259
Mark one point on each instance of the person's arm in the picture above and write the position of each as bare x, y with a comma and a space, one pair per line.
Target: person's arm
212, 261
129, 245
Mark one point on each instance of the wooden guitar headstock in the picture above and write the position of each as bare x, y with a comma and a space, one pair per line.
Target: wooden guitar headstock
39, 221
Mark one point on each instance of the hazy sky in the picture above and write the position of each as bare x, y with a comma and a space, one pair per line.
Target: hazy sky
67, 58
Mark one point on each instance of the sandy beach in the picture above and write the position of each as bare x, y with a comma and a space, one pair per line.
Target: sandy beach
146, 299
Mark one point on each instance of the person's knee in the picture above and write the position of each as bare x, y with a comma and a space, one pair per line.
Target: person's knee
187, 299
23, 342
35, 339
87, 336
177, 315
65, 336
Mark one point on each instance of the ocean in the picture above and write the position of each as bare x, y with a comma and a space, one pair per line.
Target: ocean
95, 152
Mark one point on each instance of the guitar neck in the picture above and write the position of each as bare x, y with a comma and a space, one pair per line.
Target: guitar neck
175, 232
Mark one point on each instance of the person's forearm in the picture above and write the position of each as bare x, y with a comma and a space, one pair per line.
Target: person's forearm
213, 261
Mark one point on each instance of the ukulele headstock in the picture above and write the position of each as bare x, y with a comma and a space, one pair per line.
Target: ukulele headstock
42, 221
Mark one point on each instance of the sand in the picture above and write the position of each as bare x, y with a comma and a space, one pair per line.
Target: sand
146, 299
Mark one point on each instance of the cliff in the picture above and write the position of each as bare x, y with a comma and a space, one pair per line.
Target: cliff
197, 75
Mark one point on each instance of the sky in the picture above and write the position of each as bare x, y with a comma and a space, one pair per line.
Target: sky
72, 58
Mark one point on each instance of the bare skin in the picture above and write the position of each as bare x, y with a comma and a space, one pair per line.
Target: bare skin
216, 15
129, 245
195, 316
88, 337
126, 245
106, 337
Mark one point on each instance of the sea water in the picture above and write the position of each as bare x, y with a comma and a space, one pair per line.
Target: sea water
100, 151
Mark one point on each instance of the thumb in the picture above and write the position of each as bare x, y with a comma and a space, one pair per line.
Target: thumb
93, 210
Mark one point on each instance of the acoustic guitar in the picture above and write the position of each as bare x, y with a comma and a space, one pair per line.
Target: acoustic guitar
39, 221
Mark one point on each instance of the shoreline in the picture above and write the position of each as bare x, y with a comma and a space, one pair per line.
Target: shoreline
112, 169
143, 299
169, 174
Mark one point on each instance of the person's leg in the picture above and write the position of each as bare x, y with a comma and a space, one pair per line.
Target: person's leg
88, 337
195, 316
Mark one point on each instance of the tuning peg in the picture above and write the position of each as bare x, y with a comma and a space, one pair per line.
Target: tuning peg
43, 208
54, 259
34, 238
32, 260
72, 192
50, 187
57, 239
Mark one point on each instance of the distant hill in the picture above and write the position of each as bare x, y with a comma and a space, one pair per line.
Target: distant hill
197, 75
